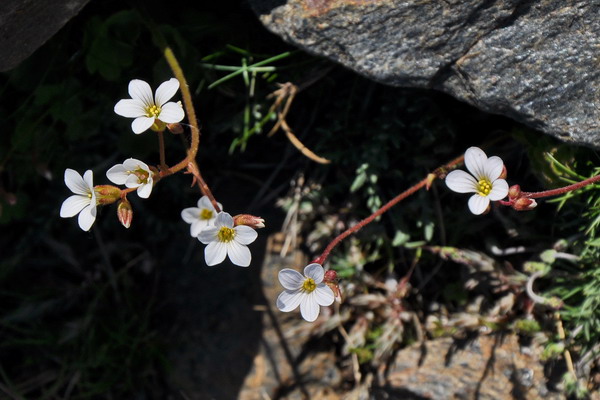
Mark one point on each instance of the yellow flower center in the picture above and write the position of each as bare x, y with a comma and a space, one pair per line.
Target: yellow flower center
226, 234
153, 111
206, 214
484, 187
309, 285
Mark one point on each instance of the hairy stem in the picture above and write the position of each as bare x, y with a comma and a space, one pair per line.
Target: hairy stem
554, 192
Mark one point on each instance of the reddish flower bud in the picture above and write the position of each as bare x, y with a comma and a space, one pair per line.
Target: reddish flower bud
330, 276
107, 194
514, 192
125, 213
249, 220
524, 204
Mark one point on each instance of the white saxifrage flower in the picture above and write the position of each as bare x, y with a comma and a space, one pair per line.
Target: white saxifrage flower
146, 108
483, 181
223, 239
133, 174
83, 202
200, 217
307, 291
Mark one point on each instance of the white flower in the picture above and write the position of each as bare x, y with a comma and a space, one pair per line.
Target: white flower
308, 291
200, 217
146, 108
133, 174
484, 181
223, 239
83, 202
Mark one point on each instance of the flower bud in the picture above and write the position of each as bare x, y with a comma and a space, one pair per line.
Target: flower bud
107, 194
524, 204
125, 213
249, 220
504, 173
175, 128
514, 192
330, 276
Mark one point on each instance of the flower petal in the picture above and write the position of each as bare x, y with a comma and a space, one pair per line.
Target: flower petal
144, 190
130, 108
239, 254
290, 279
198, 226
224, 219
461, 182
493, 168
75, 182
190, 214
324, 295
165, 91
309, 308
204, 202
289, 300
244, 234
88, 178
478, 204
139, 89
133, 181
171, 113
315, 271
208, 235
131, 164
215, 253
141, 124
499, 190
87, 216
73, 205
117, 174
475, 160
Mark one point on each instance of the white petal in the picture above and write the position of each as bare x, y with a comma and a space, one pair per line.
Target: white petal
139, 89
289, 300
290, 279
208, 235
478, 204
493, 168
315, 271
117, 174
239, 254
88, 178
475, 160
461, 182
244, 234
204, 202
75, 182
141, 124
190, 214
165, 91
144, 190
131, 164
324, 295
499, 190
224, 219
73, 205
198, 226
87, 216
133, 181
171, 113
215, 253
130, 108
309, 307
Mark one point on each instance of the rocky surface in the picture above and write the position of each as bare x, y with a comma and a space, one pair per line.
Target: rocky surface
26, 24
536, 62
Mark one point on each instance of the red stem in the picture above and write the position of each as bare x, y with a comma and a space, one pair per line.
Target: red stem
321, 259
554, 192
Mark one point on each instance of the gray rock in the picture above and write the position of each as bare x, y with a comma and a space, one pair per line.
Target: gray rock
27, 24
534, 61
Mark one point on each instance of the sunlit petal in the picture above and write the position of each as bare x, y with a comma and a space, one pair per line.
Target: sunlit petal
130, 108
244, 234
290, 279
309, 307
475, 160
141, 124
140, 90
165, 91
73, 205
499, 190
461, 182
478, 204
324, 295
215, 253
493, 168
315, 271
239, 254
